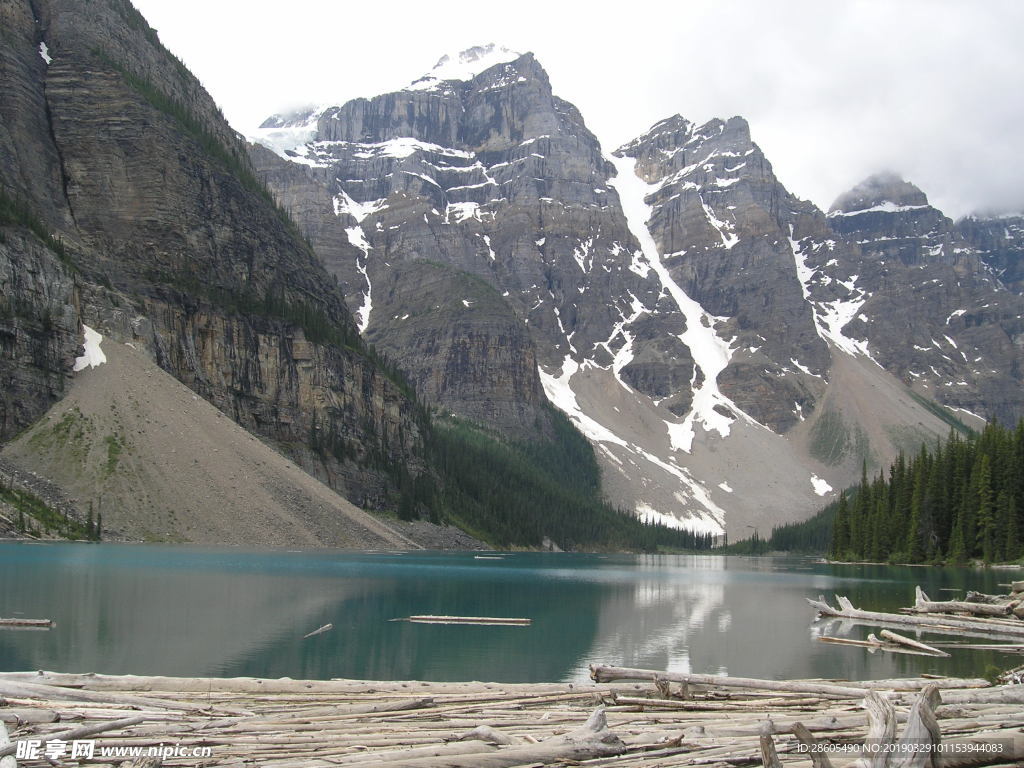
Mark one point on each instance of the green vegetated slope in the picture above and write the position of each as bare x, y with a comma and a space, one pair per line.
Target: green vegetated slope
961, 500
519, 493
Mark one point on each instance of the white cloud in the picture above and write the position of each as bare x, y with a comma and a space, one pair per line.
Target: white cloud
833, 91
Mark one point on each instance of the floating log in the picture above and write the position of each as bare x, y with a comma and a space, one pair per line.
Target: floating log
873, 644
923, 605
501, 621
942, 625
41, 623
892, 637
1003, 647
324, 628
981, 597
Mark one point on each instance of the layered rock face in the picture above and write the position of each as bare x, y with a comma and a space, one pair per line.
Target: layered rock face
491, 175
119, 152
689, 314
723, 225
38, 327
999, 241
928, 308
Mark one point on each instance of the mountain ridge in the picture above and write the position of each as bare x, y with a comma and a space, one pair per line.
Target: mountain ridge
764, 272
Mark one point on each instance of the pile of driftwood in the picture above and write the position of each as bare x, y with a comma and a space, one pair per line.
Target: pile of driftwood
654, 719
990, 617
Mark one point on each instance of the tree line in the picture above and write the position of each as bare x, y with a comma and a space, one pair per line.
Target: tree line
517, 494
961, 500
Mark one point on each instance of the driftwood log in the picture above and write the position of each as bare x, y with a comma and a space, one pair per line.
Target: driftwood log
892, 637
922, 604
6, 761
358, 724
82, 732
940, 624
919, 746
40, 623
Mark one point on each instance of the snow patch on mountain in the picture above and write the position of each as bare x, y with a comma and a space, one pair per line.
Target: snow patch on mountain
93, 355
357, 237
830, 317
344, 204
821, 487
559, 391
886, 206
710, 352
464, 65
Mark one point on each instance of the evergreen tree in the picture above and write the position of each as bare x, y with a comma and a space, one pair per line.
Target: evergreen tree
986, 519
841, 529
1009, 534
915, 537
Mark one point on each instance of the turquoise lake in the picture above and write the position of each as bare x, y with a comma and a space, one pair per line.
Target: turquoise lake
161, 610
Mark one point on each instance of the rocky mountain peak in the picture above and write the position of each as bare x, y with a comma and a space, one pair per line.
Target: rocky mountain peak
464, 65
885, 191
674, 299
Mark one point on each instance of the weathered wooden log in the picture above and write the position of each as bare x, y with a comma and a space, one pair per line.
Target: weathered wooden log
769, 757
81, 732
5, 742
495, 620
1003, 747
1017, 586
320, 631
53, 692
389, 757
605, 674
487, 735
1000, 694
591, 740
41, 623
981, 597
921, 734
943, 625
19, 716
818, 758
881, 730
872, 642
923, 605
892, 637
386, 706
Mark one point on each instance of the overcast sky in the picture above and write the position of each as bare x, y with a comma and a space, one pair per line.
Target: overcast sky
834, 91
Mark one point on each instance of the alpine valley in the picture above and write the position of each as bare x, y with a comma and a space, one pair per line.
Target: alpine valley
305, 327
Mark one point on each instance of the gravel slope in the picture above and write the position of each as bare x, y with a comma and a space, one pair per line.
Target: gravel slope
162, 464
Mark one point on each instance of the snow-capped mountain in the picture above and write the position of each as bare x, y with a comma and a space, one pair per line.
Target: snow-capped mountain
732, 352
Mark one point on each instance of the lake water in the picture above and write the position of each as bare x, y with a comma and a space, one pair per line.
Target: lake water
155, 610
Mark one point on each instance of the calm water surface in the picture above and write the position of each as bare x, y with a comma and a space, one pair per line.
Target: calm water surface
126, 609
